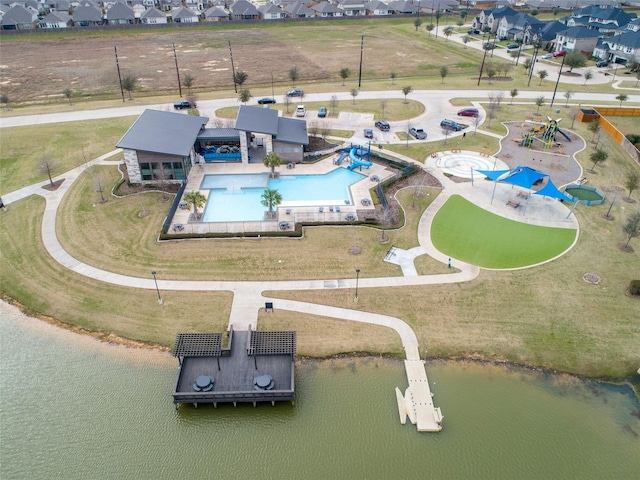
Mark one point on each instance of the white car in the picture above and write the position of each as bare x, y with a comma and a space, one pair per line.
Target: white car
301, 111
546, 56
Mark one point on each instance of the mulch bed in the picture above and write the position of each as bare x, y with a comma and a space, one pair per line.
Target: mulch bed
52, 187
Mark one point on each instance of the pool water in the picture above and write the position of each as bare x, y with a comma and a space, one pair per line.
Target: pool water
236, 198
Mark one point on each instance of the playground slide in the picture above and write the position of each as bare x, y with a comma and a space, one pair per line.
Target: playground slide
357, 160
563, 134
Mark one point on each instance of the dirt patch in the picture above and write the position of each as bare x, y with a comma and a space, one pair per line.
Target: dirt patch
52, 187
591, 278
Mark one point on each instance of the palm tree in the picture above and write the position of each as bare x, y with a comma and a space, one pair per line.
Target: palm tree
272, 160
240, 77
623, 97
197, 200
271, 198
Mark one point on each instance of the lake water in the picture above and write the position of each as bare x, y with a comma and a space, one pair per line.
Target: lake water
76, 408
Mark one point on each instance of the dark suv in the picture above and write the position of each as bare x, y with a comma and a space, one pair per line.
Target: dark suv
382, 125
451, 125
184, 105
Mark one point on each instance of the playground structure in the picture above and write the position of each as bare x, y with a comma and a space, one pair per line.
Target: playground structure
545, 134
356, 155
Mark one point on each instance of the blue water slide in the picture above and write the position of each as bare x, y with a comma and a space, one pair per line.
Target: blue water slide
356, 159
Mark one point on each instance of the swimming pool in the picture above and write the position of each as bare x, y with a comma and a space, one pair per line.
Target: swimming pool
236, 198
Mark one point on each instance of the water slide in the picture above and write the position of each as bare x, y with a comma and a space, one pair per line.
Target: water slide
357, 160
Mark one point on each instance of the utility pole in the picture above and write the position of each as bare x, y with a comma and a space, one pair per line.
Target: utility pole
360, 71
483, 59
233, 69
175, 57
555, 90
534, 59
115, 49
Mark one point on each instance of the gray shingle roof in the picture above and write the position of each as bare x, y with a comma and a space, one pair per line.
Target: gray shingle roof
292, 130
87, 14
163, 132
254, 119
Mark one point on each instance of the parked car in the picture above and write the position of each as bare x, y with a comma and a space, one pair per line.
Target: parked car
546, 56
450, 125
368, 133
602, 63
184, 104
322, 112
489, 46
560, 53
382, 125
296, 92
512, 46
266, 100
301, 111
418, 133
468, 112
473, 31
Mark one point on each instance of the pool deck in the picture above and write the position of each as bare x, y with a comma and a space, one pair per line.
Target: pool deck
285, 213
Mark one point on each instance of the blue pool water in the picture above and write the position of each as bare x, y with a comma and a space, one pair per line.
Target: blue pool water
236, 198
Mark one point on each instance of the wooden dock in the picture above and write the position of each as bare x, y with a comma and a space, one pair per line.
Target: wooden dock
417, 401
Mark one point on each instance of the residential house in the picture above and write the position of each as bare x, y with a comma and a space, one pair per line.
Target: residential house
87, 15
269, 11
546, 35
184, 15
20, 18
153, 16
325, 9
170, 5
120, 14
623, 48
215, 14
299, 10
159, 146
352, 7
243, 10
518, 27
579, 39
377, 8
490, 19
56, 20
402, 7
604, 20
196, 6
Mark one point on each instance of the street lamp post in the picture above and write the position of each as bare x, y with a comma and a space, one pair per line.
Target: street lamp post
155, 280
355, 299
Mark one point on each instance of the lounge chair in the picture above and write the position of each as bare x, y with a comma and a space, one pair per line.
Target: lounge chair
331, 209
288, 211
284, 225
321, 209
338, 209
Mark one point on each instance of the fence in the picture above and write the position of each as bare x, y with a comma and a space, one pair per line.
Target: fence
174, 206
616, 134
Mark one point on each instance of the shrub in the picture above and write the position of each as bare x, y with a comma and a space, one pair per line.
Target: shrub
634, 287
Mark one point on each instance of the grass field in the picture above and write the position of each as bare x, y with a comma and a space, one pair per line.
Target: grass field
464, 231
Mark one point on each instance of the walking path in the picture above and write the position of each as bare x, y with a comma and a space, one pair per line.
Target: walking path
248, 296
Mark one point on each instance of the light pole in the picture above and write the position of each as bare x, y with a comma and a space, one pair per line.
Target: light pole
157, 289
355, 299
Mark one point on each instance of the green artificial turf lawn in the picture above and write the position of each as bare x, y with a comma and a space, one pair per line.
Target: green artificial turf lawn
466, 232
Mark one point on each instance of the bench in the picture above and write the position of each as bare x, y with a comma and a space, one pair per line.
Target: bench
513, 203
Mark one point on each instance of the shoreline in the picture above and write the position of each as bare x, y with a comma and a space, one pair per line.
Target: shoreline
12, 307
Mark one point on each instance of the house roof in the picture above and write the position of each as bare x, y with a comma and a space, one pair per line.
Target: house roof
298, 9
254, 119
56, 17
242, 7
578, 32
292, 130
269, 8
84, 13
183, 12
153, 13
627, 39
120, 11
19, 15
376, 5
325, 7
215, 12
549, 30
163, 132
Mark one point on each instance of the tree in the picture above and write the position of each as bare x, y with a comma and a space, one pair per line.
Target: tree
293, 75
197, 200
600, 155
4, 100
460, 23
542, 74
68, 93
588, 75
240, 77
392, 75
383, 105
594, 127
464, 14
491, 70
406, 90
466, 39
623, 97
354, 94
506, 68
272, 160
568, 94
287, 102
539, 103
244, 95
526, 65
514, 94
129, 83
417, 22
334, 103
632, 227
47, 165
271, 198
555, 11
632, 182
430, 28
444, 71
574, 59
535, 12
187, 81
448, 31
325, 130
344, 74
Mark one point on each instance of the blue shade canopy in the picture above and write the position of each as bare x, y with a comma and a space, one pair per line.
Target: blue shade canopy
524, 177
550, 190
493, 175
